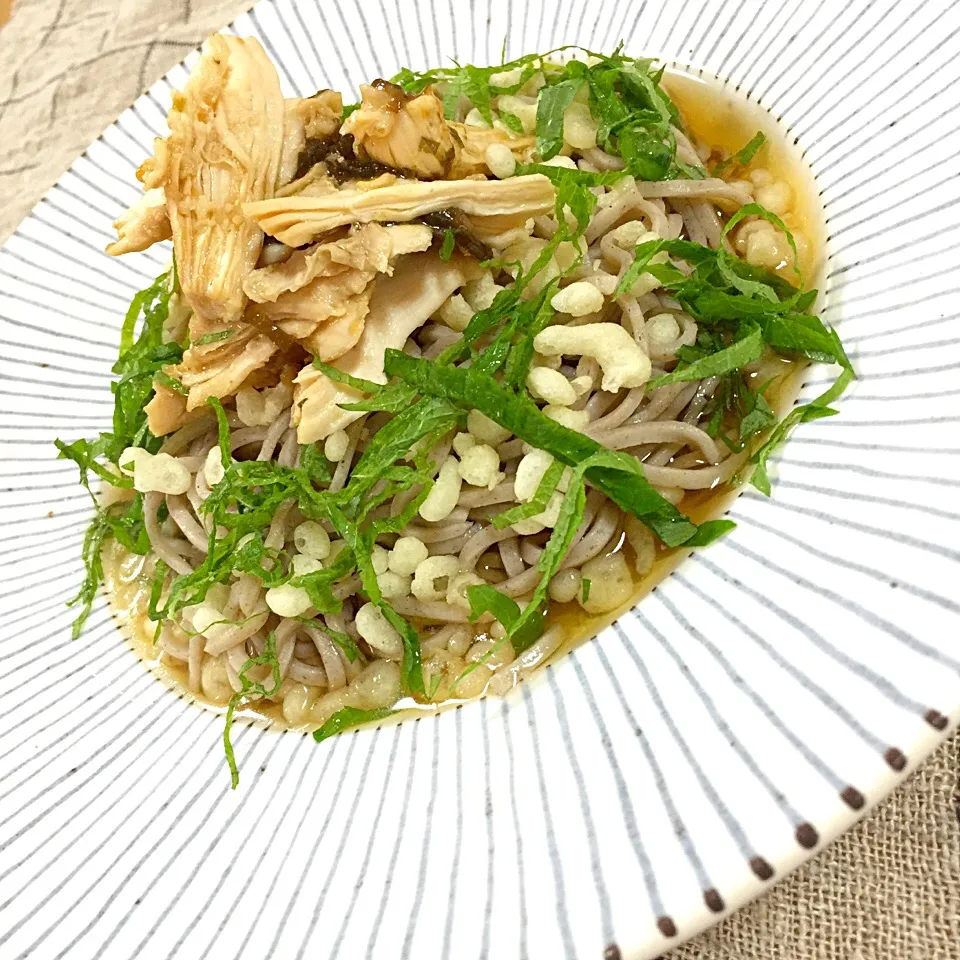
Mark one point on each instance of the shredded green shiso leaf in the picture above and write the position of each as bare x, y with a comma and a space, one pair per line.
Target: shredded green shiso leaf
250, 690
624, 93
350, 717
740, 311
142, 355
744, 155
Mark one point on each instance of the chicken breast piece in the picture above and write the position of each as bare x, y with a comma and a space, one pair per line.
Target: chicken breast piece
332, 339
320, 295
405, 132
338, 328
218, 370
314, 183
224, 149
166, 411
142, 225
410, 133
307, 118
400, 304
369, 248
208, 370
299, 219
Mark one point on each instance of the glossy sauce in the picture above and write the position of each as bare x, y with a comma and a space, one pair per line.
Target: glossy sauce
725, 122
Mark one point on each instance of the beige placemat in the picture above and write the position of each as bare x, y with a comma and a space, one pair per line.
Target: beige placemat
888, 890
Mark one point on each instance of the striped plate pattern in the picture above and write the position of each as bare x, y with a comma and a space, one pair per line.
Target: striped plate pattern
747, 712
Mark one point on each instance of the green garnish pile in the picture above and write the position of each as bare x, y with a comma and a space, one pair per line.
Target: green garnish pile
741, 311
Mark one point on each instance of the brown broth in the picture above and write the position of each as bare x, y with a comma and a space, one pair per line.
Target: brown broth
699, 506
717, 118
127, 587
126, 582
726, 121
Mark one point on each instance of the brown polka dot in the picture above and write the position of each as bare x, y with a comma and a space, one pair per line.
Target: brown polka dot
807, 836
853, 798
895, 759
713, 900
612, 952
666, 926
761, 868
936, 719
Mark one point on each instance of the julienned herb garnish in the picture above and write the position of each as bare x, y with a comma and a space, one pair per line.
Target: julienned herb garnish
742, 351
349, 717
742, 313
223, 431
142, 357
744, 156
740, 310
618, 475
551, 105
804, 413
173, 383
216, 337
251, 690
448, 244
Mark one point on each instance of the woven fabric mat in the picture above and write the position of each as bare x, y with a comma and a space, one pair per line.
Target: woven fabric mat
887, 890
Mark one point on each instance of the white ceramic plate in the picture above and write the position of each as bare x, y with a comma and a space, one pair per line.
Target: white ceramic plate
749, 711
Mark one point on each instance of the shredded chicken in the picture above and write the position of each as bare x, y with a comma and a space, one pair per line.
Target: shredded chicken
320, 295
410, 133
400, 304
166, 411
328, 338
308, 118
224, 148
472, 148
248, 350
405, 132
208, 370
226, 174
487, 204
143, 225
314, 183
321, 114
368, 249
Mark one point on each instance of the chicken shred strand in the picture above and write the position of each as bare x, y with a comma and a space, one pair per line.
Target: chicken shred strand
400, 304
299, 219
358, 276
224, 149
320, 295
410, 133
142, 225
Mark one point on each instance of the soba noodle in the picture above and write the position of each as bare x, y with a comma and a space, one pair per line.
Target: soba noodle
244, 641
